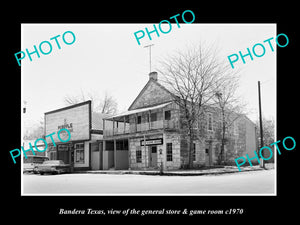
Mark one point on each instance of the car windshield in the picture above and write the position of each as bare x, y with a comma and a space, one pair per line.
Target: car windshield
53, 162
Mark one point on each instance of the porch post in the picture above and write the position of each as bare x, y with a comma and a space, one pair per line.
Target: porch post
104, 165
163, 117
136, 121
149, 113
103, 120
145, 151
115, 154
113, 126
124, 124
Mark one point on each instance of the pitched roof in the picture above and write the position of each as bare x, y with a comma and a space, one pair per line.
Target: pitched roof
145, 88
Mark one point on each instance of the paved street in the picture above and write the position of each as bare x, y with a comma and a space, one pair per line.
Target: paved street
253, 182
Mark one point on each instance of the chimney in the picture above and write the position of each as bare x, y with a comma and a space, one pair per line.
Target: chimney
153, 76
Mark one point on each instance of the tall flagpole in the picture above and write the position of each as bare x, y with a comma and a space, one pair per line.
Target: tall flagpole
149, 46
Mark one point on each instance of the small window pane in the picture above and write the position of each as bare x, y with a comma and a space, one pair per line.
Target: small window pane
167, 115
169, 152
138, 154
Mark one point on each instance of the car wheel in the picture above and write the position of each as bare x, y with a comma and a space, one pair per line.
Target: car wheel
41, 173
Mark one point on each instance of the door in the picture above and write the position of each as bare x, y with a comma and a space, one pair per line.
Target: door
95, 158
208, 155
153, 156
63, 153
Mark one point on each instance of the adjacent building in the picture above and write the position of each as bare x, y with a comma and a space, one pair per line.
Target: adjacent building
84, 150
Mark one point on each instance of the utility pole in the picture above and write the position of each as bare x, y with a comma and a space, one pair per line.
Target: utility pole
260, 124
149, 46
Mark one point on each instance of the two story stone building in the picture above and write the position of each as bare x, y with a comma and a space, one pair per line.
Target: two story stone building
150, 134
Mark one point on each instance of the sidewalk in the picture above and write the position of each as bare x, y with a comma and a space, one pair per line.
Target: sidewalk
198, 172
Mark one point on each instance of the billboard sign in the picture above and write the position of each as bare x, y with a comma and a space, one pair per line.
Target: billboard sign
75, 118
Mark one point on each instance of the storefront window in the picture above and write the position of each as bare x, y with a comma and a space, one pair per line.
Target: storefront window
79, 153
52, 152
52, 156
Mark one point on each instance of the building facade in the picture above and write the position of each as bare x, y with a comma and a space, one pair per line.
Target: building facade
150, 134
84, 150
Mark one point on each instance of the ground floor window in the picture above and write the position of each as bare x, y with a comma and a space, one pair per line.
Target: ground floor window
79, 153
138, 154
122, 144
52, 152
169, 152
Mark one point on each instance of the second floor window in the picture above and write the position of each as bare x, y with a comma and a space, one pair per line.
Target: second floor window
139, 119
209, 122
153, 117
167, 115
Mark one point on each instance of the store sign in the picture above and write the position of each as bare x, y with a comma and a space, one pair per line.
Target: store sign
66, 125
75, 118
157, 141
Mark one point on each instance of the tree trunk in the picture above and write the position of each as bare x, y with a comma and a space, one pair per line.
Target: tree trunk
223, 144
221, 155
221, 158
190, 145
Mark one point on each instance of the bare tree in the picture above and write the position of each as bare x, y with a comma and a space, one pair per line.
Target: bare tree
229, 106
74, 99
107, 105
34, 131
193, 77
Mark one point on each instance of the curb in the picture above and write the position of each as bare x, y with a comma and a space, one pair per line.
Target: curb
170, 173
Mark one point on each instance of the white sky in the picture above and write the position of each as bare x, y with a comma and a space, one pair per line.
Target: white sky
107, 58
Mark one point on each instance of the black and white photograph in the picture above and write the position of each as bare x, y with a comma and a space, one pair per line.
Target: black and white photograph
168, 116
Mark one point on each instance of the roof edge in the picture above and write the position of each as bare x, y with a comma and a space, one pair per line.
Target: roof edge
69, 107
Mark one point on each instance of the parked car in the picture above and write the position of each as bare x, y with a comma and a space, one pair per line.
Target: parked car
31, 163
54, 167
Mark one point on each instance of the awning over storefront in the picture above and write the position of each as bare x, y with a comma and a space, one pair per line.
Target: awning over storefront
121, 115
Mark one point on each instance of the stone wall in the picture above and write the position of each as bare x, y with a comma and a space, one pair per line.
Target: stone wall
240, 139
173, 138
135, 144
